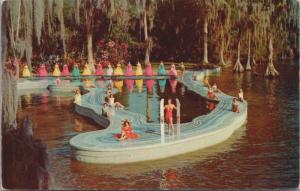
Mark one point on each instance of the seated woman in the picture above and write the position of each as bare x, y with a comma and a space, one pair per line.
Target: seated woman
86, 70
126, 132
75, 71
56, 71
235, 106
99, 71
161, 69
77, 97
42, 72
173, 71
109, 70
129, 71
215, 88
118, 71
139, 70
106, 111
112, 103
241, 95
26, 72
211, 94
148, 70
65, 71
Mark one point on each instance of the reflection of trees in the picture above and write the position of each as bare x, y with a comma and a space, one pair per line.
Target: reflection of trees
271, 86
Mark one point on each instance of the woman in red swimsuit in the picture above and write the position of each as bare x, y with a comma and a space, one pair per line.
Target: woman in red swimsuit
169, 115
126, 132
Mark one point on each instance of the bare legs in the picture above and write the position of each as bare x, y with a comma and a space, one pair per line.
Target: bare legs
170, 126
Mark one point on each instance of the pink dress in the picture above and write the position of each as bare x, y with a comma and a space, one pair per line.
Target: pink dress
65, 71
173, 71
42, 72
148, 70
129, 71
99, 71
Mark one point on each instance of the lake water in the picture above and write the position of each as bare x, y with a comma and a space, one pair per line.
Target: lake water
262, 154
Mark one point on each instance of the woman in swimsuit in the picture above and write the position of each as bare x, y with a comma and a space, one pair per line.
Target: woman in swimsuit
126, 132
169, 115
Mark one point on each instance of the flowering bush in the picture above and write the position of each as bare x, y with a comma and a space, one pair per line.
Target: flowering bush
112, 52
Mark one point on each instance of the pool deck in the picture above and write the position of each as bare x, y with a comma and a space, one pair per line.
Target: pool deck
203, 131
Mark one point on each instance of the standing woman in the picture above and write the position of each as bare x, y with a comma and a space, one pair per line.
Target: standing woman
169, 115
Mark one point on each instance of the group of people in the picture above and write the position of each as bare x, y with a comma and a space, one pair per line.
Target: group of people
211, 94
117, 71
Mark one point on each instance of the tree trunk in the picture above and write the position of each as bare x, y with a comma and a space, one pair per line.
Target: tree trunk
147, 40
271, 71
238, 67
248, 66
205, 30
222, 61
91, 61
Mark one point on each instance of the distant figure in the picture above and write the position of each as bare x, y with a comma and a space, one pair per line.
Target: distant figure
99, 71
149, 70
77, 97
215, 88
42, 72
235, 106
129, 71
112, 103
206, 82
169, 115
109, 70
118, 71
182, 68
56, 71
126, 132
86, 70
75, 71
65, 71
139, 70
161, 69
211, 95
173, 71
241, 95
26, 72
106, 111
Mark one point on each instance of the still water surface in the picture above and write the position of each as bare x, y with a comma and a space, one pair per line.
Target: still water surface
262, 154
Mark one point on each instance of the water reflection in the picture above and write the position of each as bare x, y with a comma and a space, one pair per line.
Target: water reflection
129, 85
149, 85
119, 85
162, 85
139, 85
173, 84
